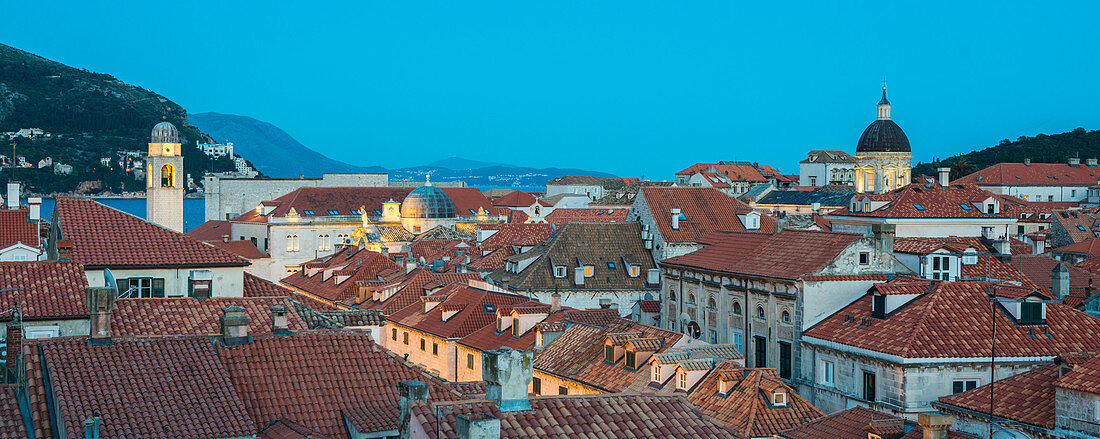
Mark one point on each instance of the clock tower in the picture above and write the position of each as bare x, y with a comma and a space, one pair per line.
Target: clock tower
164, 178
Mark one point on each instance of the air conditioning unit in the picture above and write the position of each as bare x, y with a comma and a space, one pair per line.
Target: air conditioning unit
349, 241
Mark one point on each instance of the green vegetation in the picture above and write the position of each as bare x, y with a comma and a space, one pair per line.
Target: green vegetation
1042, 148
91, 116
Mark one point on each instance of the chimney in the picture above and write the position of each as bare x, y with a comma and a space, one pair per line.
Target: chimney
782, 224
555, 303
410, 391
1074, 162
13, 195
884, 237
91, 428
279, 322
1059, 281
234, 322
1040, 246
578, 276
945, 176
1003, 246
225, 238
507, 374
815, 208
100, 301
675, 218
477, 426
1090, 163
653, 276
1027, 162
35, 209
934, 425
15, 342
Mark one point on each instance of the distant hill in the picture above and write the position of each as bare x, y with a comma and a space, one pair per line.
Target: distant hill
272, 150
1041, 148
91, 116
459, 163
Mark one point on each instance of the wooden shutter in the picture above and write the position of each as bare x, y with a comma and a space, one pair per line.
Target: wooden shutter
158, 287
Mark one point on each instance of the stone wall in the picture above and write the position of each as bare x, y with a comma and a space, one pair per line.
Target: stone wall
1077, 412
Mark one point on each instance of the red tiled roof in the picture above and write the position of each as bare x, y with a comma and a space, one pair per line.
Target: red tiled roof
1037, 268
1089, 247
153, 388
467, 199
348, 265
472, 313
320, 200
11, 418
943, 323
1027, 397
650, 306
516, 234
747, 405
580, 417
1036, 174
212, 230
789, 254
926, 245
411, 287
189, 316
1085, 376
706, 210
244, 249
287, 429
105, 237
1079, 226
487, 338
846, 278
311, 376
492, 261
848, 424
519, 199
15, 228
563, 215
577, 354
936, 201
732, 172
46, 290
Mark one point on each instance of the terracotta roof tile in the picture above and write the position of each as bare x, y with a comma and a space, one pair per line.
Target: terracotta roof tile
245, 249
562, 215
788, 254
1084, 377
577, 354
581, 417
154, 388
706, 210
212, 230
46, 290
650, 306
14, 228
11, 418
1027, 397
942, 323
848, 424
356, 264
287, 429
189, 316
931, 200
732, 172
1035, 174
518, 199
476, 309
105, 237
515, 234
747, 405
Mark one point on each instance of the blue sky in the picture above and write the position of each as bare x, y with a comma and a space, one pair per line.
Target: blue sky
633, 88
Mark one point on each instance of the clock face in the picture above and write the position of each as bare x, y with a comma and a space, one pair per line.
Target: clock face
167, 150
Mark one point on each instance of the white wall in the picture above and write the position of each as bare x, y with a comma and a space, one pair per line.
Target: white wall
227, 281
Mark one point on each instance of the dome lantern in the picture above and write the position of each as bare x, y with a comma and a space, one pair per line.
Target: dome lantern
165, 132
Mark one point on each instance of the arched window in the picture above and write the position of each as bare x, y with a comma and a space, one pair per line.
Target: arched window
736, 309
760, 313
691, 299
672, 295
786, 317
292, 243
324, 242
167, 175
711, 304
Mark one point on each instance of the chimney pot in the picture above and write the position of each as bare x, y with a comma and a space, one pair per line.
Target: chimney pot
507, 375
945, 176
13, 195
675, 218
578, 276
477, 426
934, 425
1074, 162
1027, 162
410, 391
234, 322
35, 208
555, 302
100, 302
225, 238
884, 237
1059, 280
279, 322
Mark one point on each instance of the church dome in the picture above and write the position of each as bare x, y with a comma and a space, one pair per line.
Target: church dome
165, 132
883, 135
427, 202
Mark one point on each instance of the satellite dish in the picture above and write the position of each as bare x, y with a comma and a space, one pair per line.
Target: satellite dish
109, 278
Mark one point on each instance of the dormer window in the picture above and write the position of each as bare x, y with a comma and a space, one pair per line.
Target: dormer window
588, 271
630, 359
779, 399
970, 256
559, 272
990, 208
878, 306
681, 380
635, 271
1031, 313
609, 354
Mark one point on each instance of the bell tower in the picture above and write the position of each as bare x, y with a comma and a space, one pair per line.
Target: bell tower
164, 178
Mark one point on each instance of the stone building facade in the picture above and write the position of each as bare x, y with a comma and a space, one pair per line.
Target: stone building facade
164, 181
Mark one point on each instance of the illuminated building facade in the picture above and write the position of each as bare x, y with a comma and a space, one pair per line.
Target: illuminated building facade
164, 179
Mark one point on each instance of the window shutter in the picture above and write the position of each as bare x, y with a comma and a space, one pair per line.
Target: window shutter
158, 287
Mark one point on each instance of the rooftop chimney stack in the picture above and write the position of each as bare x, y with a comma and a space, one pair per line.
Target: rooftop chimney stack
1027, 162
1040, 246
1003, 246
1074, 162
477, 426
507, 374
675, 218
945, 176
815, 208
234, 321
578, 276
101, 302
884, 237
279, 322
410, 392
13, 195
1090, 163
1059, 281
35, 205
555, 302
15, 342
934, 425
225, 238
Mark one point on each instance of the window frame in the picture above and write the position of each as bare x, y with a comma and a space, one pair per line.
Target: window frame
470, 361
964, 385
828, 373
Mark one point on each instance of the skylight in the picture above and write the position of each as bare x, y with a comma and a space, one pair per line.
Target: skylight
965, 206
377, 212
489, 308
307, 212
334, 212
355, 212
473, 212
1081, 228
610, 265
683, 217
919, 207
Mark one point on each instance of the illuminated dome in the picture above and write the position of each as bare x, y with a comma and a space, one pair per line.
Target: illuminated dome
427, 202
883, 135
165, 132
